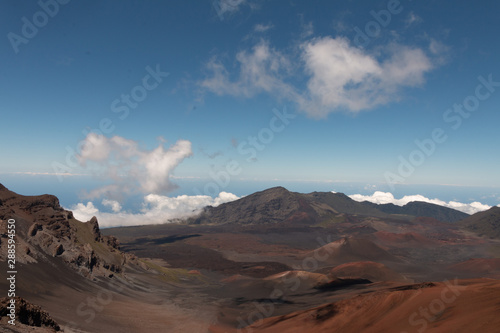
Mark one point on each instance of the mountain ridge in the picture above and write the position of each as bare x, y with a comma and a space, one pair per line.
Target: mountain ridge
486, 223
279, 205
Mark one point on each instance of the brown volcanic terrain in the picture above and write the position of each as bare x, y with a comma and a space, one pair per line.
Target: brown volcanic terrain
487, 267
369, 270
407, 239
308, 262
485, 223
349, 249
325, 246
85, 283
453, 306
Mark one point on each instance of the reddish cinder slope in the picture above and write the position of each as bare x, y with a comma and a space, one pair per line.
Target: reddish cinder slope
451, 306
349, 249
480, 266
407, 239
369, 270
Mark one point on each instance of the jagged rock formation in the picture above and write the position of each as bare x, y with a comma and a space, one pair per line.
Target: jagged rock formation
44, 229
28, 314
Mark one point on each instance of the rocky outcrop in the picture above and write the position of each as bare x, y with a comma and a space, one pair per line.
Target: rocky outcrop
28, 314
44, 229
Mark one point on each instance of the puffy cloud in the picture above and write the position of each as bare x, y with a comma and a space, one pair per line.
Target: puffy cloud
156, 209
223, 198
84, 212
386, 197
260, 70
160, 163
130, 167
114, 205
338, 75
346, 77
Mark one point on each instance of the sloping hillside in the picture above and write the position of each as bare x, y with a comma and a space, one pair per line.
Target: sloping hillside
450, 306
485, 223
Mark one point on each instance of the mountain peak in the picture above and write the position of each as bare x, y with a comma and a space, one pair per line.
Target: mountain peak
277, 191
273, 205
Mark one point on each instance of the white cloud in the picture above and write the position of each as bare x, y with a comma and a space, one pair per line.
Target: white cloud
84, 212
260, 70
386, 197
114, 205
131, 168
343, 76
339, 76
156, 209
262, 27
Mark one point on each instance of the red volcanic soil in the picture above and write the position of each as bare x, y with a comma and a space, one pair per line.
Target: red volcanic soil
307, 280
407, 239
369, 270
450, 306
480, 266
351, 249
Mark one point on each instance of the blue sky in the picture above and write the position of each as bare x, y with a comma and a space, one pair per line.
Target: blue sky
174, 92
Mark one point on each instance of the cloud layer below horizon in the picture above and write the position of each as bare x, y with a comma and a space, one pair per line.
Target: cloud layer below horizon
386, 197
158, 209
